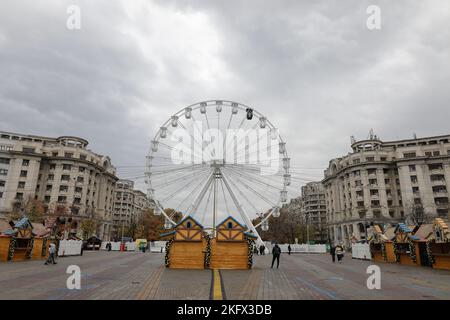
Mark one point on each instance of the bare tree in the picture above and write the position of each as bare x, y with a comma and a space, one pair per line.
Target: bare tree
416, 214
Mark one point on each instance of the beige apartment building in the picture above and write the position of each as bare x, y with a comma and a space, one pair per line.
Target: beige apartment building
61, 172
129, 204
314, 211
378, 182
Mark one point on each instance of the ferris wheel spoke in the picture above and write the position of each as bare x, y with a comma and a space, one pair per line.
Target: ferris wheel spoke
242, 194
224, 197
180, 178
195, 204
183, 187
253, 178
253, 190
206, 206
190, 194
192, 154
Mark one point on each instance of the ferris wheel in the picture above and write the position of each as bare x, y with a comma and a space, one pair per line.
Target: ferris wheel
218, 158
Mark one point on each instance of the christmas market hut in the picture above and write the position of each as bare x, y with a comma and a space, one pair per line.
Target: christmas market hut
381, 248
22, 240
232, 247
404, 242
186, 245
438, 244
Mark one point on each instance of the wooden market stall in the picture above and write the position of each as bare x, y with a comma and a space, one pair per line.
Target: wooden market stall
438, 245
232, 248
23, 240
406, 250
187, 246
381, 248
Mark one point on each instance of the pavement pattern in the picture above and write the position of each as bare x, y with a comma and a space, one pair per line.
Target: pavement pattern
142, 276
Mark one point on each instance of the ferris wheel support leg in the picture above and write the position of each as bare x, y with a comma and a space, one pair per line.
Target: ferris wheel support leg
195, 204
242, 212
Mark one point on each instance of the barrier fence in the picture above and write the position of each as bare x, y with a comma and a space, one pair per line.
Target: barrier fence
361, 251
69, 248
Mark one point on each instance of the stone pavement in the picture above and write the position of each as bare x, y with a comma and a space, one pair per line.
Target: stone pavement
136, 275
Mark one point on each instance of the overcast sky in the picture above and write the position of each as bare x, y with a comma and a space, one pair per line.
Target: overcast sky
312, 67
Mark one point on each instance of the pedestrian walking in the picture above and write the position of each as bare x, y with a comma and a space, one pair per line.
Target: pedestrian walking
108, 246
289, 249
52, 251
262, 250
333, 253
276, 252
339, 252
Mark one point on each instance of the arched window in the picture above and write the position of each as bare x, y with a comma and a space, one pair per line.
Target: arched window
230, 225
188, 225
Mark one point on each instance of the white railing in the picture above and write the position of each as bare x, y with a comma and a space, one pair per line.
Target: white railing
361, 251
304, 248
69, 248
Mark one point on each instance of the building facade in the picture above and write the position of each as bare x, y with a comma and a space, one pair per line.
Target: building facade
129, 204
314, 211
62, 173
379, 182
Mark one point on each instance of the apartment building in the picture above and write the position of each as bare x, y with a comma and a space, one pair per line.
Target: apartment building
379, 181
129, 204
61, 172
314, 210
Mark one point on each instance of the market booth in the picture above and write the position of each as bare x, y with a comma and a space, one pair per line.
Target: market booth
22, 240
405, 245
232, 248
187, 246
438, 245
381, 248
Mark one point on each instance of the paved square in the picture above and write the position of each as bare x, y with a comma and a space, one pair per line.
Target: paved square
136, 275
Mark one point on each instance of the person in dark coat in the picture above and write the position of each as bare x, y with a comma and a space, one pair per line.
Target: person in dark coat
289, 249
262, 250
276, 252
333, 253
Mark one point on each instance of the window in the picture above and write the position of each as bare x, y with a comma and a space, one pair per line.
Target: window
436, 153
389, 203
437, 177
383, 158
83, 157
373, 182
48, 187
4, 160
370, 159
357, 173
188, 225
19, 196
442, 213
356, 161
55, 154
412, 168
80, 179
428, 153
25, 162
1, 194
415, 189
28, 149
81, 169
387, 181
388, 192
52, 166
2, 183
441, 201
51, 177
62, 199
23, 173
78, 190
77, 201
439, 189
372, 171
3, 172
4, 147
47, 199
21, 185
63, 188
435, 166
409, 155
374, 192
375, 203
65, 177
414, 179
68, 154
67, 167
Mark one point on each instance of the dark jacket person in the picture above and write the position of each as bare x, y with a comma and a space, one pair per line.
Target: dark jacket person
276, 252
